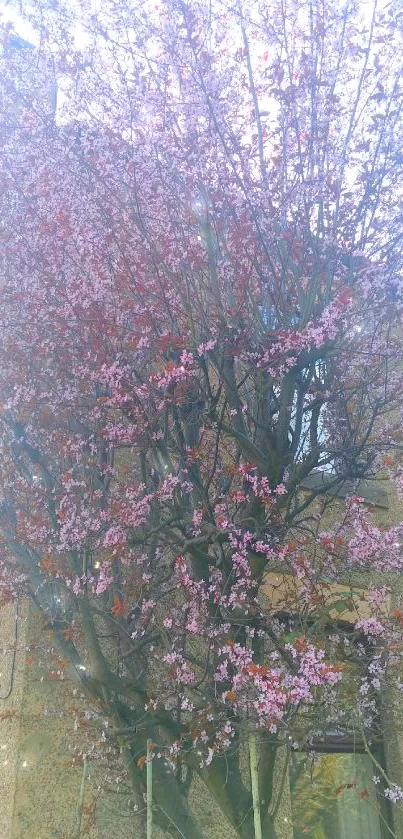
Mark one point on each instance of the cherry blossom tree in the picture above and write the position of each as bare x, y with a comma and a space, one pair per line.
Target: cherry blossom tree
200, 347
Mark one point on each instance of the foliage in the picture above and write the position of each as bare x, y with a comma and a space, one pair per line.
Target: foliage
201, 302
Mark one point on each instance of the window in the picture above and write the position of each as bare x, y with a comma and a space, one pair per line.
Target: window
336, 788
335, 785
333, 796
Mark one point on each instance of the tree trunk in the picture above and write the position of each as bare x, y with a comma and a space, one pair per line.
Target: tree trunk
223, 780
268, 829
172, 806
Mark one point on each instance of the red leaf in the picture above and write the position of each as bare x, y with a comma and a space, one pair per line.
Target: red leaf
119, 608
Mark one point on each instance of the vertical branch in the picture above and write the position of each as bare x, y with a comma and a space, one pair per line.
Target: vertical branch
81, 799
263, 169
254, 774
352, 121
149, 790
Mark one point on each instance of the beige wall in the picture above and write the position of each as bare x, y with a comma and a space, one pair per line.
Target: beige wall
12, 671
46, 785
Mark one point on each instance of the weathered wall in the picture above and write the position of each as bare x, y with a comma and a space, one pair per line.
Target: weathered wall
47, 786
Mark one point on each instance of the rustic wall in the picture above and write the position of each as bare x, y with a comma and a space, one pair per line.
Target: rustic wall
47, 786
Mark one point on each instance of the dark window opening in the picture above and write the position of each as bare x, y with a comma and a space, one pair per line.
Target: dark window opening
337, 794
336, 786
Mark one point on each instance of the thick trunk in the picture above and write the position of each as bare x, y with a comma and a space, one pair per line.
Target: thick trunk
170, 808
140, 824
222, 778
247, 831
224, 782
172, 805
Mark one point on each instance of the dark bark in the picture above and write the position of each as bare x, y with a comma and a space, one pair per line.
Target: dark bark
224, 781
171, 808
